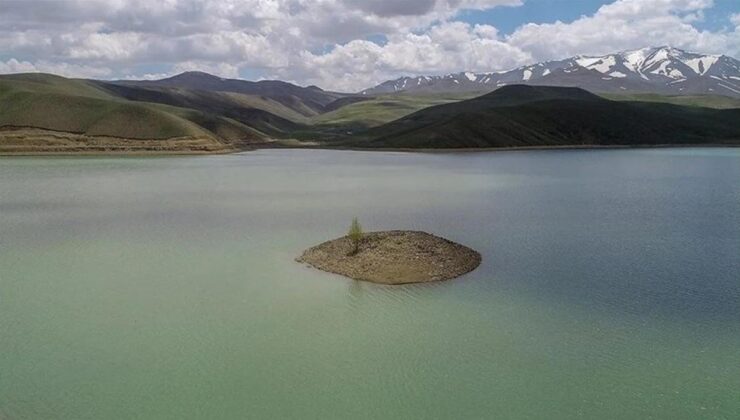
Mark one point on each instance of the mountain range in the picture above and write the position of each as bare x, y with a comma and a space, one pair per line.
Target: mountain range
660, 70
200, 112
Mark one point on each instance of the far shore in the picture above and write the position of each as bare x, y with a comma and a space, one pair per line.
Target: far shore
498, 149
315, 146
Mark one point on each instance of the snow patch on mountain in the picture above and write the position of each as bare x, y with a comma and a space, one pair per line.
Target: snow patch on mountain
603, 65
634, 59
586, 61
664, 68
701, 65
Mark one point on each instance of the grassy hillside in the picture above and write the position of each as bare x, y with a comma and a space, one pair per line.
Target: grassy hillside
521, 116
81, 107
706, 101
260, 113
382, 109
78, 114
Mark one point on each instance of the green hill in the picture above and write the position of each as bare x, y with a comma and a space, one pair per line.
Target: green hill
82, 108
90, 116
374, 111
525, 116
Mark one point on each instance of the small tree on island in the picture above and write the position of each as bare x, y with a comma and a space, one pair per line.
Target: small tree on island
355, 235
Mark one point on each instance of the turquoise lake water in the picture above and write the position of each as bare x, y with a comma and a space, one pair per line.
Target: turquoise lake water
165, 288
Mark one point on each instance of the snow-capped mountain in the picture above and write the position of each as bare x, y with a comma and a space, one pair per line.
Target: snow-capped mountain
662, 70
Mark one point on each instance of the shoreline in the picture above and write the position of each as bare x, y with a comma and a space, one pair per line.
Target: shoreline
271, 146
504, 149
109, 153
29, 141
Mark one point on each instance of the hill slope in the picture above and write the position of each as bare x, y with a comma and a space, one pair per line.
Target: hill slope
374, 111
382, 109
261, 113
525, 116
48, 108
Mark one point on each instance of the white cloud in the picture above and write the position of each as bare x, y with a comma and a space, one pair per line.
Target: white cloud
444, 48
15, 66
626, 24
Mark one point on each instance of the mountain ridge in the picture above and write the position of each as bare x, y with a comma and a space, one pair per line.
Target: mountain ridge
309, 101
662, 70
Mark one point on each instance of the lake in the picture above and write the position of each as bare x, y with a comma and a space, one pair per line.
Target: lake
166, 287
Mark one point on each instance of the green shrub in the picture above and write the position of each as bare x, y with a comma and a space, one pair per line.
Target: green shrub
355, 235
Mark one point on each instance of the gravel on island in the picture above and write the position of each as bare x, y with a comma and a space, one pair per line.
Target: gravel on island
394, 257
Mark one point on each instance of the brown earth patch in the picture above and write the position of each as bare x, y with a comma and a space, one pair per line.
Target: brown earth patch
394, 257
20, 141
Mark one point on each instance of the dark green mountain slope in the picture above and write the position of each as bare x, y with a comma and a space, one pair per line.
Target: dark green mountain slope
523, 116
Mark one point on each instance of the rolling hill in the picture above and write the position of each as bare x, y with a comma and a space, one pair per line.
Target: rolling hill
374, 111
48, 112
527, 116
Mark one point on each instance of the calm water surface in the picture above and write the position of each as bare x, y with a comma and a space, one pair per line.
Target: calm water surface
161, 288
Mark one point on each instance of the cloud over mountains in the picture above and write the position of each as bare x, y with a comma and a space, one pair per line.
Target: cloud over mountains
336, 44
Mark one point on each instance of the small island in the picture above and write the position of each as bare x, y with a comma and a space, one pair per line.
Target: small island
393, 257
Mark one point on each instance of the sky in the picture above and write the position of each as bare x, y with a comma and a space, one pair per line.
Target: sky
343, 45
